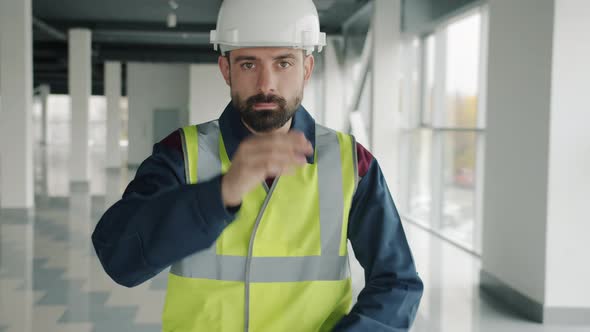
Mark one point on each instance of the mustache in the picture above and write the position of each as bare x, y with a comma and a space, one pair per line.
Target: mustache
262, 98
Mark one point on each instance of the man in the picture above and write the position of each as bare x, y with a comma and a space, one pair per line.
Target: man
253, 211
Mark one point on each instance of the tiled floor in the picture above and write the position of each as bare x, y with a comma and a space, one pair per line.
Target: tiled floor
51, 280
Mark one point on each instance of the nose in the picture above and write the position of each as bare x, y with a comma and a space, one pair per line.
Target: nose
266, 81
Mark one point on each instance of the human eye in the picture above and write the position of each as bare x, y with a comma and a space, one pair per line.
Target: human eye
284, 64
247, 65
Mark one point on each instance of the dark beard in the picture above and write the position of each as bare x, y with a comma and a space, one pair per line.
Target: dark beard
265, 120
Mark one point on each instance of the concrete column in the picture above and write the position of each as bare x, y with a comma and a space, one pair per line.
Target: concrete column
535, 221
386, 122
16, 84
45, 91
80, 89
335, 112
568, 223
112, 74
79, 80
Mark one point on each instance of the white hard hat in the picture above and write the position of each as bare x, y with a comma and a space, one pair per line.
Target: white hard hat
268, 23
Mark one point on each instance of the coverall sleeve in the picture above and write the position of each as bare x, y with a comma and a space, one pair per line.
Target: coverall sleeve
159, 220
392, 292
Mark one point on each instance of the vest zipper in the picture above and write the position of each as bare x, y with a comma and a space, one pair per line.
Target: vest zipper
249, 257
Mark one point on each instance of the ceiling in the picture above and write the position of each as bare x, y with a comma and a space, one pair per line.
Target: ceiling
136, 30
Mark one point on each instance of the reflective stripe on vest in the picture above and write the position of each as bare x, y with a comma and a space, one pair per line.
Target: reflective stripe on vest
248, 250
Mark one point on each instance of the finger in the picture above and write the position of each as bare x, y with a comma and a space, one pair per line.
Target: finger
301, 144
280, 164
297, 138
295, 142
290, 171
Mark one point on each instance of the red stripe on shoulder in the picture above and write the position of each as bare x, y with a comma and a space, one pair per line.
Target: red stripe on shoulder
173, 141
364, 158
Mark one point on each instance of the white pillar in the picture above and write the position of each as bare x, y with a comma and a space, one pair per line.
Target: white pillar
16, 84
537, 142
386, 119
112, 74
79, 78
45, 91
335, 112
569, 180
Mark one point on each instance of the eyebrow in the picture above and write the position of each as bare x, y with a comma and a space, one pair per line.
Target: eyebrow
285, 56
253, 58
245, 58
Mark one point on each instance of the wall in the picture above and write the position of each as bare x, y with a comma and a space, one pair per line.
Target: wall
151, 86
209, 94
516, 153
569, 180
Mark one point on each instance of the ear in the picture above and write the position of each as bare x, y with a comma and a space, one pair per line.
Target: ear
224, 67
308, 65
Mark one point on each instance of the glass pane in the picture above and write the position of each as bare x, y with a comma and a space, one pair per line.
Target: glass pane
97, 110
58, 148
37, 110
58, 108
463, 50
420, 203
358, 129
124, 127
409, 88
458, 205
414, 79
98, 117
365, 102
429, 70
38, 149
58, 118
355, 37
57, 170
313, 98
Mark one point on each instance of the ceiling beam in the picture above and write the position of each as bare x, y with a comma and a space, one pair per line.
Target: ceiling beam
44, 51
114, 26
130, 26
150, 53
49, 30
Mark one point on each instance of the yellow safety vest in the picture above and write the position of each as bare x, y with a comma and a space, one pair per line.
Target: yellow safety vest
282, 264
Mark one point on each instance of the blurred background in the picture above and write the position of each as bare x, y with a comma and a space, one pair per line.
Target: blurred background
476, 110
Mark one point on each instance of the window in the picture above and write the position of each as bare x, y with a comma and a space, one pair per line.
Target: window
446, 143
462, 72
358, 87
53, 159
428, 97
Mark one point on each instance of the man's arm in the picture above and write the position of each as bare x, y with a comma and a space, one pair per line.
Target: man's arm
160, 218
392, 291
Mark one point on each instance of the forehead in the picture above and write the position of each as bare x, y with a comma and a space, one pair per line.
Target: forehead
266, 53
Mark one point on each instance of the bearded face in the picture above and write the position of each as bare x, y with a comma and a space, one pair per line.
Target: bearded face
265, 113
267, 84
